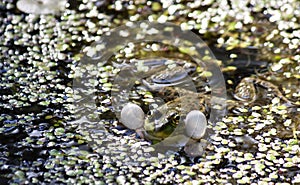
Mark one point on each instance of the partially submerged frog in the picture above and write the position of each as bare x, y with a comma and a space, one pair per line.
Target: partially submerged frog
244, 93
166, 81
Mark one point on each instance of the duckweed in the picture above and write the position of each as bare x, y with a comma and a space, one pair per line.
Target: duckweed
38, 59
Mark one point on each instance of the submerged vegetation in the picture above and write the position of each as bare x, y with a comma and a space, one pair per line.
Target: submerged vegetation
256, 44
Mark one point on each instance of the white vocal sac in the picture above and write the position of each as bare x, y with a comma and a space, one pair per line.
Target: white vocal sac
195, 124
132, 116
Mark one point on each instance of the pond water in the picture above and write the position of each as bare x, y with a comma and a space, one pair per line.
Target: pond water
41, 135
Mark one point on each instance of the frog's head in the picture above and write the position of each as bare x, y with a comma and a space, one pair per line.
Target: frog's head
133, 117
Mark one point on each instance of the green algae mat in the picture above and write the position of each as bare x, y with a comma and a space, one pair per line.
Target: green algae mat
149, 92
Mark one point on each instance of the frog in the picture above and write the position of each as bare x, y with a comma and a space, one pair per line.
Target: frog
244, 93
167, 80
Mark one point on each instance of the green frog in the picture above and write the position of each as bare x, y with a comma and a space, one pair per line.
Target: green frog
244, 93
166, 81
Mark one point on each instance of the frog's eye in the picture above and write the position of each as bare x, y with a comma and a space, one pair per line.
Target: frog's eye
195, 124
132, 116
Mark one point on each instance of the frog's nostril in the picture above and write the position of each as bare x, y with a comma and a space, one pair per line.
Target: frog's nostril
132, 116
195, 124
